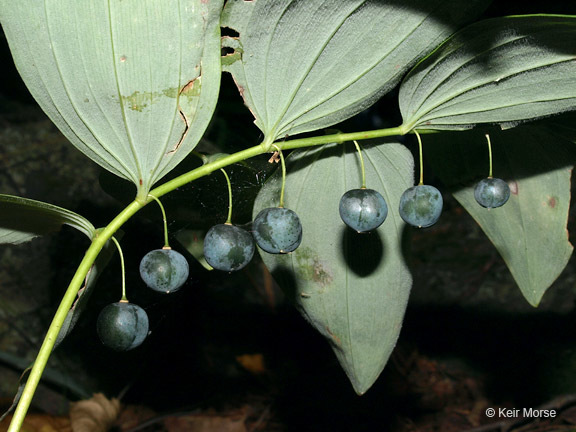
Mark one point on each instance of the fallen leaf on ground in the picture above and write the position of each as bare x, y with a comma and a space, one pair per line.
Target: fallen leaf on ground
40, 423
97, 414
206, 422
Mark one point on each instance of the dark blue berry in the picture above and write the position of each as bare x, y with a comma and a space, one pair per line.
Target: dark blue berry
277, 230
164, 270
492, 192
228, 247
363, 210
421, 206
122, 326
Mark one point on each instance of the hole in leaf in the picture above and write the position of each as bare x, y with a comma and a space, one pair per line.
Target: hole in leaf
227, 51
229, 32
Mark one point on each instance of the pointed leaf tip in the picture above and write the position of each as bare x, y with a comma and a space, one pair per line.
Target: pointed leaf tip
353, 288
22, 219
500, 71
132, 88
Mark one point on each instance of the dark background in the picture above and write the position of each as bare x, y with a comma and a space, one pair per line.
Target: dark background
230, 344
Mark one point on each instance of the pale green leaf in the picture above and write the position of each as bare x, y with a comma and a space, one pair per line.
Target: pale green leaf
305, 65
132, 86
22, 219
529, 231
353, 288
502, 71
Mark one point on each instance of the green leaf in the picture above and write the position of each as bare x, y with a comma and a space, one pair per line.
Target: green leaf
503, 71
22, 219
306, 65
353, 288
132, 87
529, 231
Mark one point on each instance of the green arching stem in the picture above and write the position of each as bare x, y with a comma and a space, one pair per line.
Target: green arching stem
229, 219
489, 155
361, 164
421, 182
84, 267
124, 298
281, 205
258, 150
166, 243
106, 233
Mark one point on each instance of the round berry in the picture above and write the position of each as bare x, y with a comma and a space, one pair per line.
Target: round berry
164, 270
228, 247
277, 230
122, 326
363, 210
492, 192
421, 206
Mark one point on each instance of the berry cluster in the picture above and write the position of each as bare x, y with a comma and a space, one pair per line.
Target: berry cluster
277, 230
123, 326
365, 209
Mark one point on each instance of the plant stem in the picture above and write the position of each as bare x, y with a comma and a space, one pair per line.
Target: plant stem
124, 298
85, 265
361, 164
421, 182
489, 155
229, 219
106, 234
281, 205
341, 138
166, 244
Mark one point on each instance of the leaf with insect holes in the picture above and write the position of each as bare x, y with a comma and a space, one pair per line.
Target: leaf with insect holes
353, 288
305, 65
503, 70
133, 87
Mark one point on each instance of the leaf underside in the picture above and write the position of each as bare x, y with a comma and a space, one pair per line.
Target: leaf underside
353, 288
529, 231
133, 88
306, 65
502, 71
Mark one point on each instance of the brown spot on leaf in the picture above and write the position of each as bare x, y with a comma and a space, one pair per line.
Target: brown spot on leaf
552, 202
513, 185
333, 337
320, 274
187, 90
311, 267
188, 87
